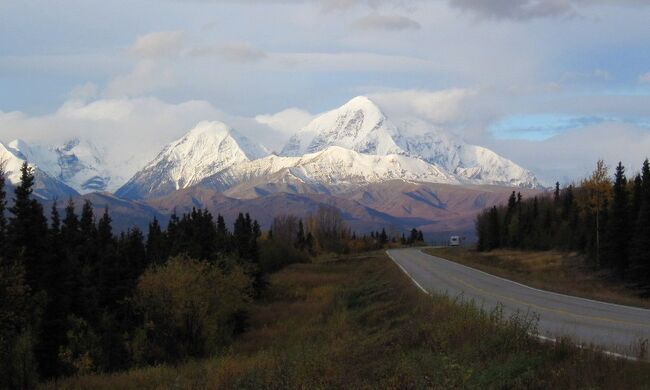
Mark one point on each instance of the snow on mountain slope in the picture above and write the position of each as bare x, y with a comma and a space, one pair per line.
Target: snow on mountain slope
479, 164
78, 163
334, 166
355, 144
360, 125
45, 186
470, 163
207, 149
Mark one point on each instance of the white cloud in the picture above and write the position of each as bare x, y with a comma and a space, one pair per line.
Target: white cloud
534, 9
516, 9
158, 44
134, 130
377, 21
287, 121
131, 130
573, 154
439, 107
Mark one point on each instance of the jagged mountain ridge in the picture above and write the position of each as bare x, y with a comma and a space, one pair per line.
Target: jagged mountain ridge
355, 144
45, 186
361, 126
77, 163
209, 148
331, 167
358, 125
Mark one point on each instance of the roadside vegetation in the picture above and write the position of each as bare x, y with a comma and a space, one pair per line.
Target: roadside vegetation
606, 221
78, 299
355, 321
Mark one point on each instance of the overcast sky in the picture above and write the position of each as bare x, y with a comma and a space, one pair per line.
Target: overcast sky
552, 84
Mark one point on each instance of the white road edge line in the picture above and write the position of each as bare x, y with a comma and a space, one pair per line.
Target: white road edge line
408, 274
537, 336
536, 289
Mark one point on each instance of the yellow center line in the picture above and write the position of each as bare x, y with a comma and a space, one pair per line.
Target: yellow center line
559, 311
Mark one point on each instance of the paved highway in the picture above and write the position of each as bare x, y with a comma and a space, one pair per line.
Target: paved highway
614, 327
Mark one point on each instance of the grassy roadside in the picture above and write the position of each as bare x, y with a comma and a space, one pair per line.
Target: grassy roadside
548, 270
358, 322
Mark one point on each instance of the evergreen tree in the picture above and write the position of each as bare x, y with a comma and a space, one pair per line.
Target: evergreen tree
156, 243
133, 260
108, 273
173, 236
640, 250
618, 224
27, 231
27, 236
89, 262
493, 229
243, 237
383, 237
300, 237
223, 236
15, 316
105, 236
637, 198
413, 237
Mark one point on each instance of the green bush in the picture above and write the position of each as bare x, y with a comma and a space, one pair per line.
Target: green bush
190, 309
83, 350
275, 255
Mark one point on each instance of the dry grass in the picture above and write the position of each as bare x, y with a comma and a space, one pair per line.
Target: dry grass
548, 270
359, 323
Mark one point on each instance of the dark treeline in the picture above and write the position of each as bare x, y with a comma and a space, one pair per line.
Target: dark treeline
75, 298
606, 220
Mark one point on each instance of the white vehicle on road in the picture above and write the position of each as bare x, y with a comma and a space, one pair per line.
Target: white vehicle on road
454, 241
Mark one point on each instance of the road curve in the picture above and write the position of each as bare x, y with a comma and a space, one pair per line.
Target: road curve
614, 327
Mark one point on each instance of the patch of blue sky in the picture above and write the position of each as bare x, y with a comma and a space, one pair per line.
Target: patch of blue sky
537, 127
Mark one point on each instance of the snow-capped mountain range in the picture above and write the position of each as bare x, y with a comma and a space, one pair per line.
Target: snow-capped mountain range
46, 186
353, 145
206, 150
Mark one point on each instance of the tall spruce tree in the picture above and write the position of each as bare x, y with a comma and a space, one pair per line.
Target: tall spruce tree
640, 250
618, 226
156, 243
300, 237
27, 231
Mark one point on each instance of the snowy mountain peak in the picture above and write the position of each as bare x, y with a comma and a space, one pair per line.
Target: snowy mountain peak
358, 125
45, 186
362, 103
77, 163
214, 136
12, 162
208, 148
361, 126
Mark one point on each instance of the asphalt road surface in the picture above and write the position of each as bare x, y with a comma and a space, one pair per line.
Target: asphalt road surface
616, 328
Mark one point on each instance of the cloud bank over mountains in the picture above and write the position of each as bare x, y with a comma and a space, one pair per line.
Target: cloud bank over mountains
267, 67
